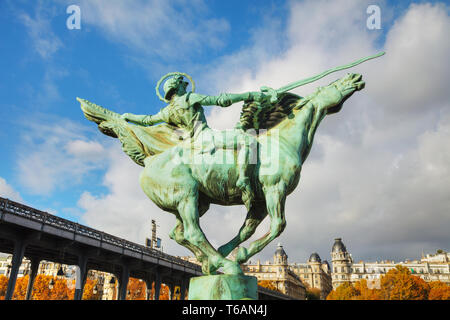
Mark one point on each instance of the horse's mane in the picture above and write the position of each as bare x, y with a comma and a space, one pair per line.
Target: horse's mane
257, 116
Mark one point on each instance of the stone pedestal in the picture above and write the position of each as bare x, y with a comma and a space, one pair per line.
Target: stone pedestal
223, 287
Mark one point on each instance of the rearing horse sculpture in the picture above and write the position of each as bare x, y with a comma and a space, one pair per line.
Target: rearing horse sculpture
175, 180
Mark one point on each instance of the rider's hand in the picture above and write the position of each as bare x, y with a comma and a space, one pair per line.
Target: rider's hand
270, 94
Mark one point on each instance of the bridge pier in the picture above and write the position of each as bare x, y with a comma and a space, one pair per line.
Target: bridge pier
157, 285
183, 287
148, 290
34, 269
81, 274
123, 283
19, 249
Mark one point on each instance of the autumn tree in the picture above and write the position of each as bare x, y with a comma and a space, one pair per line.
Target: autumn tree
364, 292
20, 290
399, 284
313, 293
41, 290
345, 291
164, 293
439, 291
267, 284
3, 286
89, 293
136, 289
61, 291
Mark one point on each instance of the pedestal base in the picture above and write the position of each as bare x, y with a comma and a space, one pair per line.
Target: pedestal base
223, 287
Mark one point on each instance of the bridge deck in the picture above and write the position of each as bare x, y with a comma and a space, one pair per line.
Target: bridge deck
51, 238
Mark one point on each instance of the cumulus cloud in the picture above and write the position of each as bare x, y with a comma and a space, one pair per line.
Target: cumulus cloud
7, 191
157, 27
56, 156
43, 39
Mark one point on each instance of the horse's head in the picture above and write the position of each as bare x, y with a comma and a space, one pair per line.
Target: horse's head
334, 95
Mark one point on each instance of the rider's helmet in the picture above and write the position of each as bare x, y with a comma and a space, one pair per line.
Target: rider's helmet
171, 85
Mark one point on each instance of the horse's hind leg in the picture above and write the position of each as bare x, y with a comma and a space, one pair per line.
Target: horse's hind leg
275, 199
254, 217
177, 234
188, 210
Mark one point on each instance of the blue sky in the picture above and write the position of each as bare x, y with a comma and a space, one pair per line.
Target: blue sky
55, 160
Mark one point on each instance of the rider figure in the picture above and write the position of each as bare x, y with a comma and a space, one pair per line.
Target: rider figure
185, 111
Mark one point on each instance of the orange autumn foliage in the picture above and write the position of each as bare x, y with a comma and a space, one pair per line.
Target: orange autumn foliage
364, 292
41, 290
345, 291
164, 293
20, 290
267, 284
136, 289
396, 284
439, 291
3, 286
88, 292
399, 284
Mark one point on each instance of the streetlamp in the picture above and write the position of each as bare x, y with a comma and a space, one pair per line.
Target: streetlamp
60, 272
51, 284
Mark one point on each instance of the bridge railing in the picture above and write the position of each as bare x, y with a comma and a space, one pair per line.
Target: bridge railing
12, 207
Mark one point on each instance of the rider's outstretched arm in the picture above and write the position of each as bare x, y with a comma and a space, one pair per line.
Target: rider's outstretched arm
224, 99
146, 120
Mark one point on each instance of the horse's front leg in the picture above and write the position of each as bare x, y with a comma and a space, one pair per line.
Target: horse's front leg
275, 199
254, 217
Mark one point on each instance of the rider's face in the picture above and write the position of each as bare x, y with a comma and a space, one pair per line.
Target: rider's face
182, 85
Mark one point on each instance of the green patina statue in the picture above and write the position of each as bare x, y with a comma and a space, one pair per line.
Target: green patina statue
188, 166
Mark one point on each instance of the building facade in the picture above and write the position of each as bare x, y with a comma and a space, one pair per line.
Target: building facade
315, 273
432, 267
279, 273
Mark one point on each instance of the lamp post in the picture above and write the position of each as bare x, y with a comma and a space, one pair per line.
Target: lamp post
51, 284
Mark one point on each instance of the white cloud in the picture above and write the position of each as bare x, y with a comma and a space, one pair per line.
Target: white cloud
7, 191
56, 156
43, 39
156, 27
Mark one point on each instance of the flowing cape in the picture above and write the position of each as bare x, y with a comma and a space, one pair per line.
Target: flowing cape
138, 142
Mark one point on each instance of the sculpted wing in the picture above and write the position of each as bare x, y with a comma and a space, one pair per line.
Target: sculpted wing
138, 142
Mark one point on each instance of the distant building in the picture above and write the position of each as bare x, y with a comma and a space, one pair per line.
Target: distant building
430, 268
279, 273
315, 273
